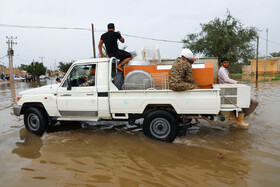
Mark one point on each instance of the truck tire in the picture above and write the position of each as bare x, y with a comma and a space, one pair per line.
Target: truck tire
35, 121
160, 125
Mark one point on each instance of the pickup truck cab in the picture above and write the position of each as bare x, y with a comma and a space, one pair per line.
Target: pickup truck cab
163, 110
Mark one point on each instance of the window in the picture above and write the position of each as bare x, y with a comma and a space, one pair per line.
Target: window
81, 75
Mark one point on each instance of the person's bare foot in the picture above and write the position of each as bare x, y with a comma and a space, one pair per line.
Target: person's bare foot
120, 68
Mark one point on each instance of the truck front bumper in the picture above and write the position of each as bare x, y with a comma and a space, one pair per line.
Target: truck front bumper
17, 109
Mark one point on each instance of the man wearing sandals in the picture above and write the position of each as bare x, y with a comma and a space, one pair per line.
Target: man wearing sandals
110, 39
223, 76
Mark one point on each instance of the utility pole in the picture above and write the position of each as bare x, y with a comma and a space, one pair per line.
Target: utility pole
267, 42
266, 55
257, 61
42, 58
54, 65
11, 54
93, 41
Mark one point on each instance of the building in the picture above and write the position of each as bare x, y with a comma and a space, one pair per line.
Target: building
4, 70
269, 65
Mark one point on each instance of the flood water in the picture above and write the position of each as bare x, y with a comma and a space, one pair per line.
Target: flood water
116, 154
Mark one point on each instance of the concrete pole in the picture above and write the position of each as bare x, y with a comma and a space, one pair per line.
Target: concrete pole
11, 70
11, 54
266, 55
257, 60
12, 62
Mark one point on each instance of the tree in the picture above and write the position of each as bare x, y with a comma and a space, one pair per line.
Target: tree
64, 66
36, 69
50, 72
23, 67
275, 54
223, 38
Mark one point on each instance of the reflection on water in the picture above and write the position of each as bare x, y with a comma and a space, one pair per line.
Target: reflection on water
116, 154
102, 156
29, 145
13, 93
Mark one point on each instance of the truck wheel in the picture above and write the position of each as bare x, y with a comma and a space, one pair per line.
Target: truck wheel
35, 121
160, 125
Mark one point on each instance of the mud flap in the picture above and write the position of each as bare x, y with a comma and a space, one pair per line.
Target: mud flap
253, 106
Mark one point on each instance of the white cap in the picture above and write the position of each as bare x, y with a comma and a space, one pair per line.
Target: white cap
187, 53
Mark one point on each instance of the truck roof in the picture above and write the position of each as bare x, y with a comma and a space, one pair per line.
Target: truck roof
92, 60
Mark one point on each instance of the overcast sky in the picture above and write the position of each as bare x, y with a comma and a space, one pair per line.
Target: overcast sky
162, 19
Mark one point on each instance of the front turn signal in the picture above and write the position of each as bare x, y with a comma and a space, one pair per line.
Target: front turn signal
18, 98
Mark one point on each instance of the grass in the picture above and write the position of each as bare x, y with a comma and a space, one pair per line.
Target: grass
236, 74
267, 77
270, 75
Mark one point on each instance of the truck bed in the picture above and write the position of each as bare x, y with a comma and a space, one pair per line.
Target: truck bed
197, 101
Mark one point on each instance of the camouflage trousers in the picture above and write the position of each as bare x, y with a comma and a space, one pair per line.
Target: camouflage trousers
182, 86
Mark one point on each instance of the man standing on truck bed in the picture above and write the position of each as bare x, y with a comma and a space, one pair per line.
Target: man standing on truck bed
180, 77
110, 39
223, 76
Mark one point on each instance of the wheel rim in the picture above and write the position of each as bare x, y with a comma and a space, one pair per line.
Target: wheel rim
160, 128
33, 122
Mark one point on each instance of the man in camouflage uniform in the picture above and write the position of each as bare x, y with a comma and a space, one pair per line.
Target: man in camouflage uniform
180, 77
90, 80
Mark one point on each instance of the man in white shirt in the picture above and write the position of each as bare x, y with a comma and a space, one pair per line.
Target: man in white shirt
223, 76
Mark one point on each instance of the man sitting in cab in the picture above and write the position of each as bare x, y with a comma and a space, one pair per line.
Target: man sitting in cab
90, 79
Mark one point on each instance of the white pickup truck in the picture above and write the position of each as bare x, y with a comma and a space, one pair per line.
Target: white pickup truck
163, 110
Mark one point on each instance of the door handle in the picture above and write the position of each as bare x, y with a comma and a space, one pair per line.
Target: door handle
90, 94
65, 95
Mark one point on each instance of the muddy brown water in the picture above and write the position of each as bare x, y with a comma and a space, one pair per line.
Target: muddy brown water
116, 154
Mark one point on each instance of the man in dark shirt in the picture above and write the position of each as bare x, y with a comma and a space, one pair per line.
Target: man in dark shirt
110, 39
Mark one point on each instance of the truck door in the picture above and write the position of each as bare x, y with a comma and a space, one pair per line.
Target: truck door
77, 95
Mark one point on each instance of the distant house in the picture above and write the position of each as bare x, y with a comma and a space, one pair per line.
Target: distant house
4, 70
269, 65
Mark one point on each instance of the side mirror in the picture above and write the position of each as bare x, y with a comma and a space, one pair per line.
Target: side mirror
58, 80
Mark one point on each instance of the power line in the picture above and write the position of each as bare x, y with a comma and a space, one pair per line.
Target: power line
42, 27
269, 41
155, 39
80, 28
22, 59
87, 29
3, 57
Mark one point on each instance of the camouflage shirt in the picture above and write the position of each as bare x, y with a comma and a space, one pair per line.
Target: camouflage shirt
90, 82
180, 77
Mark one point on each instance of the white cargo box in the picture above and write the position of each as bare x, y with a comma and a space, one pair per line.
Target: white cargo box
237, 95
